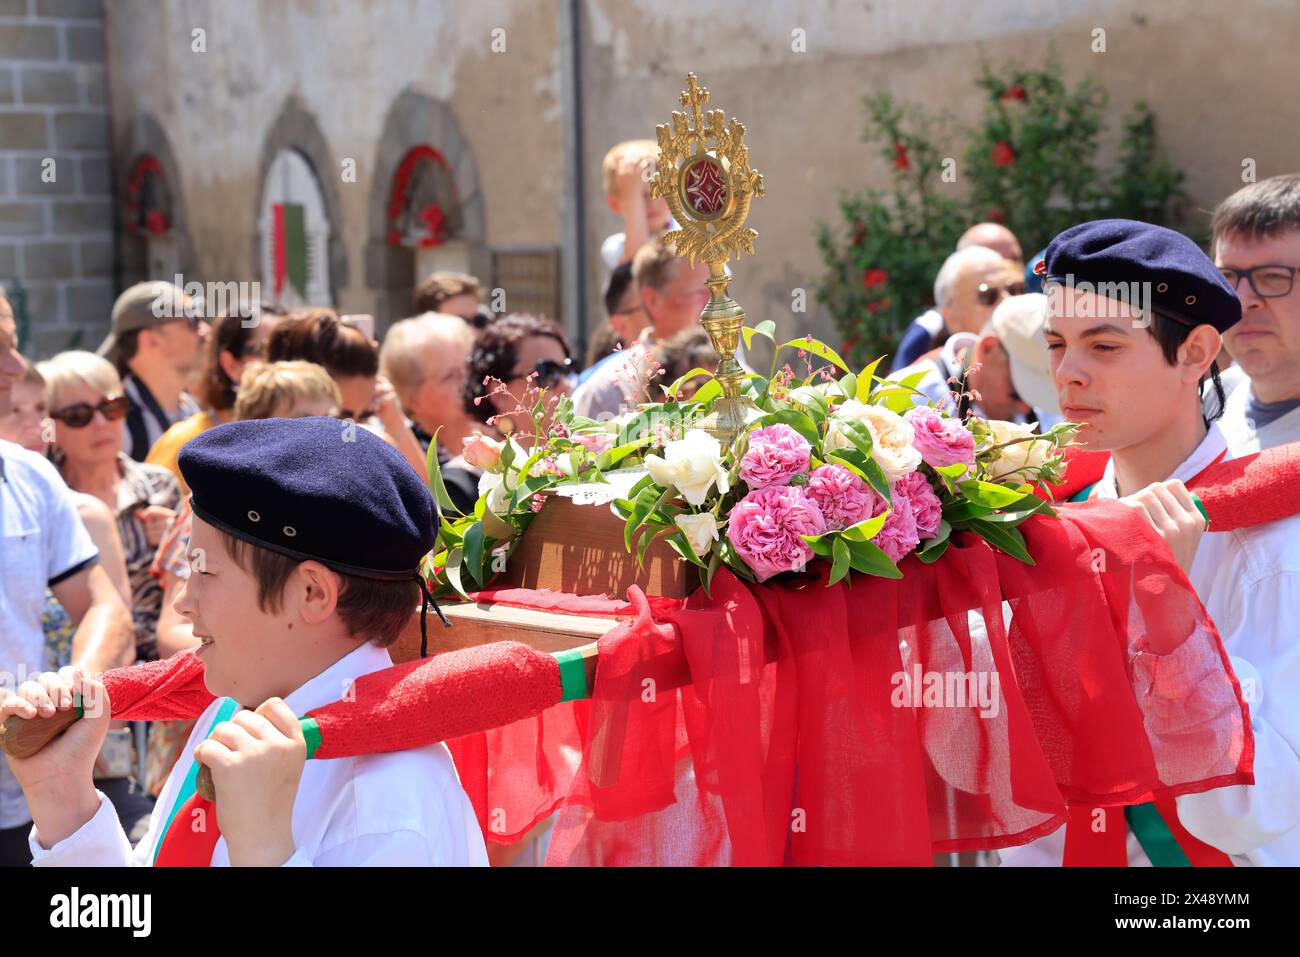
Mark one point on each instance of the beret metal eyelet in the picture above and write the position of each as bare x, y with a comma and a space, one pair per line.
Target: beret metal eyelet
1163, 287
290, 531
1190, 300
253, 516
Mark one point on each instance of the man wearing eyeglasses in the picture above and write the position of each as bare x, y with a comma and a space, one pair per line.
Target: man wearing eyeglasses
43, 544
672, 294
157, 345
928, 330
1257, 246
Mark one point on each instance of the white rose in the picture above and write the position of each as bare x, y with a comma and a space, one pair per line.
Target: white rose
692, 465
891, 437
499, 486
700, 530
494, 485
1013, 463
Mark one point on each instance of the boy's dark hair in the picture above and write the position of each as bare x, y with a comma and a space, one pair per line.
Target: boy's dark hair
1259, 211
1169, 334
619, 280
371, 609
320, 336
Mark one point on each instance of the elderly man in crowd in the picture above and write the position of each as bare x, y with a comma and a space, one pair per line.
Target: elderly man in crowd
927, 331
427, 361
673, 295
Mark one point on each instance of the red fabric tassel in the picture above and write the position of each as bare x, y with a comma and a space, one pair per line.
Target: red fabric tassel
1199, 854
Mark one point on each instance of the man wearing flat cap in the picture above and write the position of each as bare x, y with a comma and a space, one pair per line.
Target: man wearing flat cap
1135, 315
156, 344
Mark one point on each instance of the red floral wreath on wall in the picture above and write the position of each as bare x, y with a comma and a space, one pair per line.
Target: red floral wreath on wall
432, 215
155, 220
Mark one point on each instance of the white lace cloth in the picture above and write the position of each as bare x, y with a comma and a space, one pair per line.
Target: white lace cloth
601, 493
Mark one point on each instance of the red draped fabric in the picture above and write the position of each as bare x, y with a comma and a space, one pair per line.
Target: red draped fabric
967, 706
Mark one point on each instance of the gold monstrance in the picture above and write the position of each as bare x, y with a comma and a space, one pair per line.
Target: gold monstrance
704, 175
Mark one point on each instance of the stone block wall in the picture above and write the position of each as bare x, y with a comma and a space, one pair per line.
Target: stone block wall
56, 208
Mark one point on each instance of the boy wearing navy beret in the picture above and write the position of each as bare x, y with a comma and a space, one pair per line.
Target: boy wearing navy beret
1135, 314
305, 556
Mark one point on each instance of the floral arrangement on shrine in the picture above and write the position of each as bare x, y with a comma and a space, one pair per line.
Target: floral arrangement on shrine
833, 466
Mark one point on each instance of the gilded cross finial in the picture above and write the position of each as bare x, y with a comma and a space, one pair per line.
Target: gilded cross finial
694, 97
704, 175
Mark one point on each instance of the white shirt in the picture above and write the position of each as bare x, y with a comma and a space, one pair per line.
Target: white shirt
1249, 582
611, 250
42, 542
1244, 437
618, 385
405, 808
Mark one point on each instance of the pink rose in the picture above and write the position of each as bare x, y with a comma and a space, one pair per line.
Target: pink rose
765, 527
775, 455
844, 499
481, 452
595, 442
898, 537
926, 507
941, 441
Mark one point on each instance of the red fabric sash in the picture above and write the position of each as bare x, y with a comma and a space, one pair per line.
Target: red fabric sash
192, 836
757, 726
1087, 845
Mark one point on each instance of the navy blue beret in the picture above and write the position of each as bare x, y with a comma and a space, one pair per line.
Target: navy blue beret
313, 488
1185, 285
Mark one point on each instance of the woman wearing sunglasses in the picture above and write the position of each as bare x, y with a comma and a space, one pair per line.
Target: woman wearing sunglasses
517, 361
84, 395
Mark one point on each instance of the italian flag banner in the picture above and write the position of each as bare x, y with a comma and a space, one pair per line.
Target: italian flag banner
289, 246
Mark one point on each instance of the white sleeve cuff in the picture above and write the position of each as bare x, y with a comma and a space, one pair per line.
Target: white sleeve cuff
299, 859
100, 842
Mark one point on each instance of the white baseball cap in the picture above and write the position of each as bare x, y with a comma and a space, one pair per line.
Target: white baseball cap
1018, 322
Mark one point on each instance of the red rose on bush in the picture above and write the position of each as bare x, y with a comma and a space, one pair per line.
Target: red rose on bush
874, 277
996, 216
900, 156
1015, 92
1002, 154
